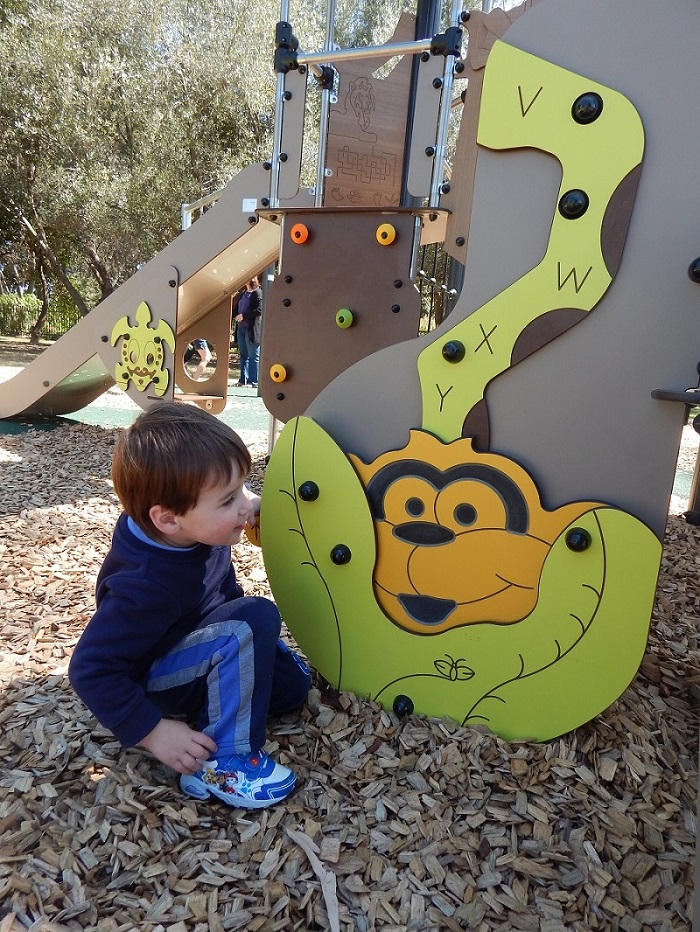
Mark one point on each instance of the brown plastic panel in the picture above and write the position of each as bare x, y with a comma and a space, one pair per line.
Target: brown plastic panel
341, 265
367, 130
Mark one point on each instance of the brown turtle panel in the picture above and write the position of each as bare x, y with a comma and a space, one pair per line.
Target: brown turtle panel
341, 265
367, 129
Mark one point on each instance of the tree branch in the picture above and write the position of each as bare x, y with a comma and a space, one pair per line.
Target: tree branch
43, 250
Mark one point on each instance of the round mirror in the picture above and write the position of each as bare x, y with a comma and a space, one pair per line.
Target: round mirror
200, 360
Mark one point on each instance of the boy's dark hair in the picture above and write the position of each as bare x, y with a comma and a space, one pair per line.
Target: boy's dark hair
168, 455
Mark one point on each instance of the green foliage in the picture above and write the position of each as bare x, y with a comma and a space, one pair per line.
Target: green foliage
112, 114
18, 313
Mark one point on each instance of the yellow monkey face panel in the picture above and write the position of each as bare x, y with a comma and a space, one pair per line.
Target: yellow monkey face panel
461, 535
142, 351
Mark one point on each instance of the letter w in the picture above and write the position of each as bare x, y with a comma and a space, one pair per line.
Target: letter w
572, 274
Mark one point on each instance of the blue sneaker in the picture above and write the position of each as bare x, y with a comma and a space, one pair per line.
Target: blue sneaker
252, 782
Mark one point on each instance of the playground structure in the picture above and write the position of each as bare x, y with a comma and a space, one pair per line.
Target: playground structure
468, 523
137, 337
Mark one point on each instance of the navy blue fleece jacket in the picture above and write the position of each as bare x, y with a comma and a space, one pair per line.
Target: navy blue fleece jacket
148, 599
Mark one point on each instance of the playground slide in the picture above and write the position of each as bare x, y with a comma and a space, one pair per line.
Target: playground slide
193, 276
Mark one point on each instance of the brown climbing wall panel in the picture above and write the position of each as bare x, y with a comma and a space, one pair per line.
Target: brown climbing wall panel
343, 292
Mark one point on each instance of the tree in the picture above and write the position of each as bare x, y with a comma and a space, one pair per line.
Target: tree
114, 113
111, 116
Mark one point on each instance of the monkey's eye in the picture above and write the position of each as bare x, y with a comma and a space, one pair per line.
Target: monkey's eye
409, 498
465, 514
415, 507
464, 504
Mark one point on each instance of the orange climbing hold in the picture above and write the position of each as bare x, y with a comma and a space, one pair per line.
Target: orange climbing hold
299, 233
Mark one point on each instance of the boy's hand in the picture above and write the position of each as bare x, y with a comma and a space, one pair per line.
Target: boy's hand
254, 510
176, 744
252, 530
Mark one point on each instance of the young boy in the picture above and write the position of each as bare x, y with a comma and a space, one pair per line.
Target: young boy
176, 659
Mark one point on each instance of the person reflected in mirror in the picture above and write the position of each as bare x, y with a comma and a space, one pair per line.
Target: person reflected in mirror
203, 350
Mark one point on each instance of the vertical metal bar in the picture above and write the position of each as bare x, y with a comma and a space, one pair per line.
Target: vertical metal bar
275, 182
445, 110
325, 109
692, 515
279, 109
427, 23
416, 246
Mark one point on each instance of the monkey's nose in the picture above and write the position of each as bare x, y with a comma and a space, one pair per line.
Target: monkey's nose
423, 533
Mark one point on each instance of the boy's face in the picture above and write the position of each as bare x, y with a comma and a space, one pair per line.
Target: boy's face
219, 517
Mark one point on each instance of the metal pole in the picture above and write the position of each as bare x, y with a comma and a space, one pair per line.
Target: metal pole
390, 50
275, 184
186, 210
277, 135
325, 109
692, 515
427, 24
445, 110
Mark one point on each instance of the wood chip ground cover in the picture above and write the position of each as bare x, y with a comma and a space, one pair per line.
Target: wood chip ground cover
411, 824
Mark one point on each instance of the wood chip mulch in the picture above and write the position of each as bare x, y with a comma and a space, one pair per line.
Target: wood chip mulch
411, 824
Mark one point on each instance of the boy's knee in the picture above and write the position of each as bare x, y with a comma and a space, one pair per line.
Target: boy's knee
264, 618
291, 683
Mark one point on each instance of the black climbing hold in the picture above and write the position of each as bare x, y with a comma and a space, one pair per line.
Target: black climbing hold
587, 108
453, 351
308, 491
578, 539
573, 204
340, 555
403, 705
694, 271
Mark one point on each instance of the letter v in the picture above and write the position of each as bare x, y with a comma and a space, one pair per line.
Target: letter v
523, 109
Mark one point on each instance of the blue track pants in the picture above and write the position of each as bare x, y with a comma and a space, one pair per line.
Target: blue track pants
229, 674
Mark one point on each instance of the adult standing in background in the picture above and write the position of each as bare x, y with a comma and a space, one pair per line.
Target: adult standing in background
248, 331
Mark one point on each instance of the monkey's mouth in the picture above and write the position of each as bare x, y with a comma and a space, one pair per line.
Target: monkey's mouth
426, 609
